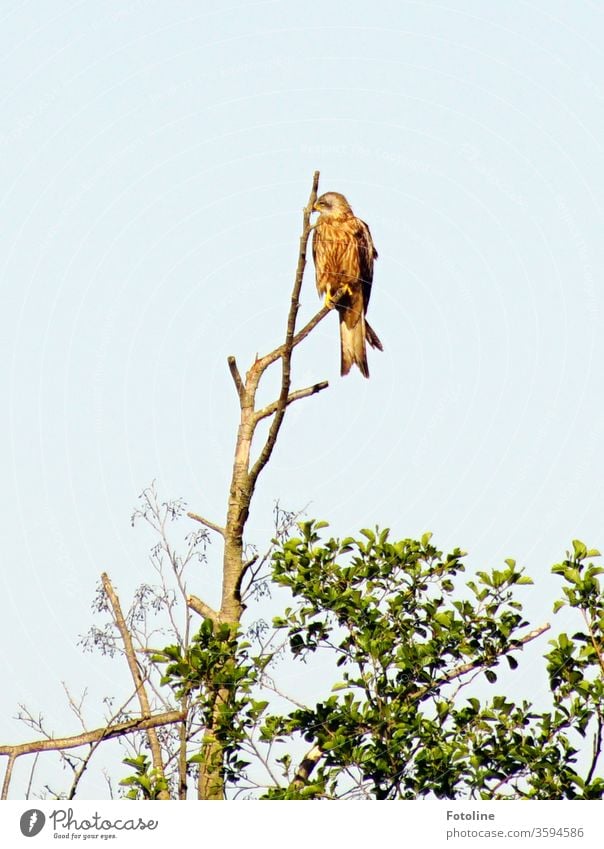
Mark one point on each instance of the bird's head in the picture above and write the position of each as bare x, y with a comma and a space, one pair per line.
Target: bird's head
332, 205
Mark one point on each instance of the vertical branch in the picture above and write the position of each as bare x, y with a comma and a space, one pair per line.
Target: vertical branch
597, 747
182, 752
136, 676
31, 775
7, 775
286, 358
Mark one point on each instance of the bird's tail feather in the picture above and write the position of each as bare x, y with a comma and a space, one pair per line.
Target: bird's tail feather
372, 337
352, 347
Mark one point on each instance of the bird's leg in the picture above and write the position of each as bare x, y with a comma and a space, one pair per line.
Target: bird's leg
342, 289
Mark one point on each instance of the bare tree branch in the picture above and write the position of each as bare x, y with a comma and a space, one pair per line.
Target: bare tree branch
293, 396
182, 751
202, 608
55, 744
8, 774
236, 376
597, 748
307, 765
211, 525
31, 775
301, 335
78, 773
136, 676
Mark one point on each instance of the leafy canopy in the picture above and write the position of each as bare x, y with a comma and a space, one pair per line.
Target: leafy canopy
410, 646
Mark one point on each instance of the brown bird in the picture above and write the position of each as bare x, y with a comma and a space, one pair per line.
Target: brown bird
343, 252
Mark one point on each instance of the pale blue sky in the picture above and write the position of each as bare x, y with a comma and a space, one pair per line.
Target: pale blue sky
155, 158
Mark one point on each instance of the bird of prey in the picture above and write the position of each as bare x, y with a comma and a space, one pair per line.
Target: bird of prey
343, 252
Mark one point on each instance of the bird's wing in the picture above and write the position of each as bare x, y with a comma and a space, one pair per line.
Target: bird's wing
366, 254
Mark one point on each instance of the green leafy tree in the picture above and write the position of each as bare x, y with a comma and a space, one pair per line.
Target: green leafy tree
409, 646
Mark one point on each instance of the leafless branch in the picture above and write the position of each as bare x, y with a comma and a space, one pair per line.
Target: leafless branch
211, 525
202, 608
56, 744
31, 775
79, 772
8, 774
268, 683
236, 376
107, 778
137, 677
293, 396
182, 751
273, 356
76, 707
597, 748
306, 766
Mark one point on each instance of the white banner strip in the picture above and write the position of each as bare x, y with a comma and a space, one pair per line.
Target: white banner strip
567, 825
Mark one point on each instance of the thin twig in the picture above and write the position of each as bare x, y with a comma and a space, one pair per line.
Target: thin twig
293, 396
269, 684
211, 525
236, 376
78, 773
302, 334
107, 778
76, 708
94, 746
596, 647
31, 775
264, 761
